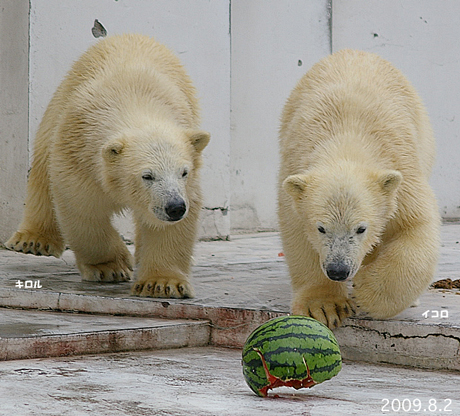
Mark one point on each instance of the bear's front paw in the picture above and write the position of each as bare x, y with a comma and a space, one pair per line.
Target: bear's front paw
34, 243
106, 272
163, 287
330, 312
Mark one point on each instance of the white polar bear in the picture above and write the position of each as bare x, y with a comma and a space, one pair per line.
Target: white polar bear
354, 198
121, 131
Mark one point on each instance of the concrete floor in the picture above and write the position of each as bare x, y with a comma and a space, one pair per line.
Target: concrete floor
239, 284
208, 381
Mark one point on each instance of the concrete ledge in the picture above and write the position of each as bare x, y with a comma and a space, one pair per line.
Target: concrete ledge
27, 334
430, 345
229, 326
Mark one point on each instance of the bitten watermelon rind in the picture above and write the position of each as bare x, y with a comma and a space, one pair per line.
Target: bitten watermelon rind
292, 349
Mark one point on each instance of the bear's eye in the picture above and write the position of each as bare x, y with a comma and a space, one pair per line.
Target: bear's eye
148, 177
361, 230
321, 229
185, 173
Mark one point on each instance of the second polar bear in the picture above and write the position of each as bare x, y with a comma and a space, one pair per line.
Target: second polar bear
121, 131
357, 149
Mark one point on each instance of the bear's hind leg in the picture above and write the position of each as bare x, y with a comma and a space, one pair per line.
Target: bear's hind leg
119, 270
100, 253
402, 271
39, 231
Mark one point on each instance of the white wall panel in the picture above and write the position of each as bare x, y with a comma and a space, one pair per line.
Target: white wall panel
273, 44
420, 37
14, 31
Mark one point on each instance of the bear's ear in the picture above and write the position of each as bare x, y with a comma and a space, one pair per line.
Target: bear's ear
295, 185
113, 149
199, 139
389, 180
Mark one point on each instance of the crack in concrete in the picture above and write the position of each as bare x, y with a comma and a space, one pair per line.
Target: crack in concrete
387, 335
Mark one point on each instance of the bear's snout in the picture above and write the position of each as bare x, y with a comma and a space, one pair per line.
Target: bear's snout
338, 271
176, 209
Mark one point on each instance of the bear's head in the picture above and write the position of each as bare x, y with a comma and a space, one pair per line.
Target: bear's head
344, 211
155, 171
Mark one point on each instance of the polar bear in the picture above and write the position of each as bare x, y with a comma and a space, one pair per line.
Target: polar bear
121, 132
354, 200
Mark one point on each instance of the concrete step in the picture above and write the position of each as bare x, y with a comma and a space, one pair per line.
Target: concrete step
412, 340
34, 334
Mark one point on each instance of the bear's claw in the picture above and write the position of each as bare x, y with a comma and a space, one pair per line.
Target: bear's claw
34, 243
163, 288
330, 313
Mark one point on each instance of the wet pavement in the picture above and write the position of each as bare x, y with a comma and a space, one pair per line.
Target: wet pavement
208, 381
46, 311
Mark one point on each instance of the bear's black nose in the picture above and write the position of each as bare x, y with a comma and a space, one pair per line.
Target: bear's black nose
338, 271
175, 209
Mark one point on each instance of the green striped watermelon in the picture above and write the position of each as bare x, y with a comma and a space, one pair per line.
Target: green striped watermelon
293, 351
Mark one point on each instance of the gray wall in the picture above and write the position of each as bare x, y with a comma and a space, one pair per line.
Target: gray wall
14, 41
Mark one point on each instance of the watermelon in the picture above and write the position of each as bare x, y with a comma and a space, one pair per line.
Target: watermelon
293, 351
